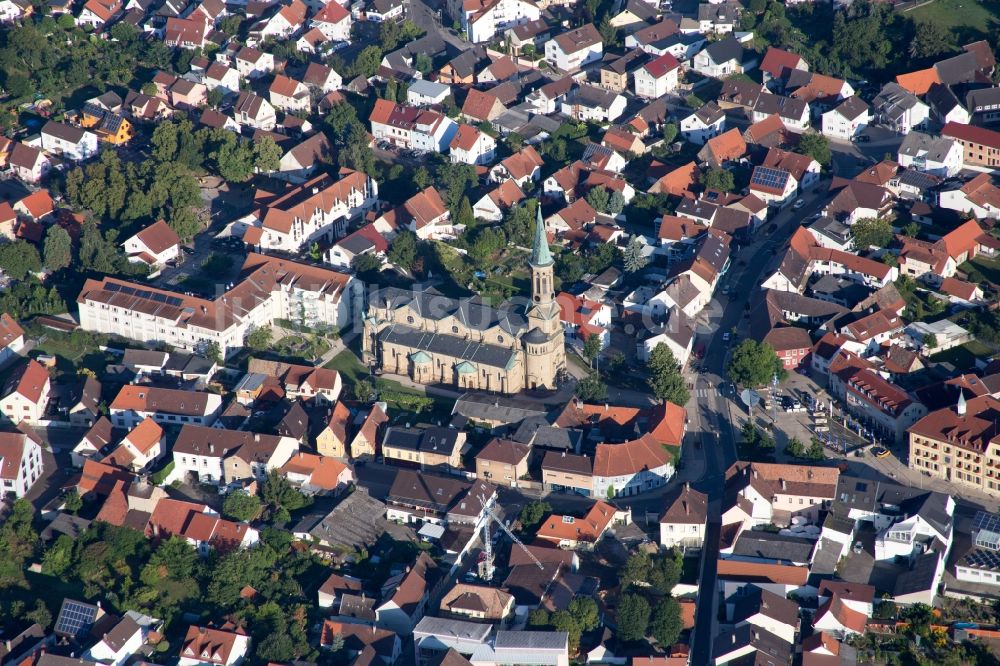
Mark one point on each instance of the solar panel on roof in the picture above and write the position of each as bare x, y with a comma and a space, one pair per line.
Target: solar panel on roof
75, 618
769, 177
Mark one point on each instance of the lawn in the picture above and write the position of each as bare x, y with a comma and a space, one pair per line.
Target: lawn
988, 268
964, 356
352, 371
971, 19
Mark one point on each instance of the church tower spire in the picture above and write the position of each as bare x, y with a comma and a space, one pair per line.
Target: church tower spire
542, 269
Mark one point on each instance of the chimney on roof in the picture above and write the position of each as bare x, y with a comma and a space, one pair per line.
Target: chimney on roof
961, 407
211, 448
782, 484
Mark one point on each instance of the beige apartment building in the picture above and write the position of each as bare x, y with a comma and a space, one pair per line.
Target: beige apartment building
503, 462
432, 447
960, 444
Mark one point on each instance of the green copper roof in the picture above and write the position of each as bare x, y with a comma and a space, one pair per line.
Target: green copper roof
540, 255
420, 357
465, 368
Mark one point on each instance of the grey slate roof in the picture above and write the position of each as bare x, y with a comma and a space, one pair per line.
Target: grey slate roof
771, 546
431, 304
449, 345
917, 144
484, 407
725, 50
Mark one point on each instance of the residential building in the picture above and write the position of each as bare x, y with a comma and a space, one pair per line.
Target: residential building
206, 646
318, 475
981, 146
899, 109
472, 146
25, 396
289, 95
682, 524
220, 456
482, 20
20, 462
477, 603
271, 288
503, 462
706, 123
720, 58
846, 120
155, 246
573, 532
657, 77
430, 447
939, 156
575, 48
635, 466
204, 530
73, 143
253, 111
134, 403
410, 127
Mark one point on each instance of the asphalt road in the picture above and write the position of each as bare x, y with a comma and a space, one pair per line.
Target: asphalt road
712, 422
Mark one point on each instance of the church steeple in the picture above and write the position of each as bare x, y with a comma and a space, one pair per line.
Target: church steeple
540, 254
542, 267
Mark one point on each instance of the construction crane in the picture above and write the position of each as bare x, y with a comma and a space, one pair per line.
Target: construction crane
487, 567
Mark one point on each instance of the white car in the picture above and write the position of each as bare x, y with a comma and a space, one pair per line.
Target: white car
799, 204
726, 337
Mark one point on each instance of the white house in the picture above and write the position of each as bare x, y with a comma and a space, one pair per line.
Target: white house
591, 103
219, 456
204, 646
73, 143
20, 462
144, 444
472, 146
154, 246
656, 78
720, 59
939, 156
410, 127
219, 75
334, 21
134, 403
26, 393
427, 93
289, 95
575, 48
11, 338
28, 163
253, 64
793, 111
482, 20
899, 109
707, 122
123, 639
635, 466
253, 111
682, 524
10, 11
846, 120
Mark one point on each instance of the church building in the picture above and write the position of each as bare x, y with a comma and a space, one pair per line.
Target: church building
434, 339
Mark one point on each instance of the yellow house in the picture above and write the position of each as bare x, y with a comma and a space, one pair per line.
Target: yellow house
109, 127
366, 442
424, 447
332, 440
503, 462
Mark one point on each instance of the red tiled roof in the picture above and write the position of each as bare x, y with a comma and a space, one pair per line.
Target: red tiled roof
918, 82
159, 236
971, 134
567, 528
777, 62
644, 453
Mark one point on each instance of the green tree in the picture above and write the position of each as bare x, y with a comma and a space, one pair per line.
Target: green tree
533, 513
213, 352
584, 610
58, 559
260, 338
871, 232
368, 61
667, 623
539, 617
665, 378
215, 97
357, 152
815, 450
241, 506
278, 493
19, 258
598, 198
754, 364
633, 618
670, 132
366, 263
235, 160
815, 146
72, 501
564, 621
364, 391
637, 568
40, 614
592, 348
464, 214
423, 63
930, 341
58, 248
267, 155
635, 260
719, 179
795, 448
931, 39
665, 571
592, 389
403, 250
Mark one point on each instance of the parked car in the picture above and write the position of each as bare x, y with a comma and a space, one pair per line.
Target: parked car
880, 452
799, 204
